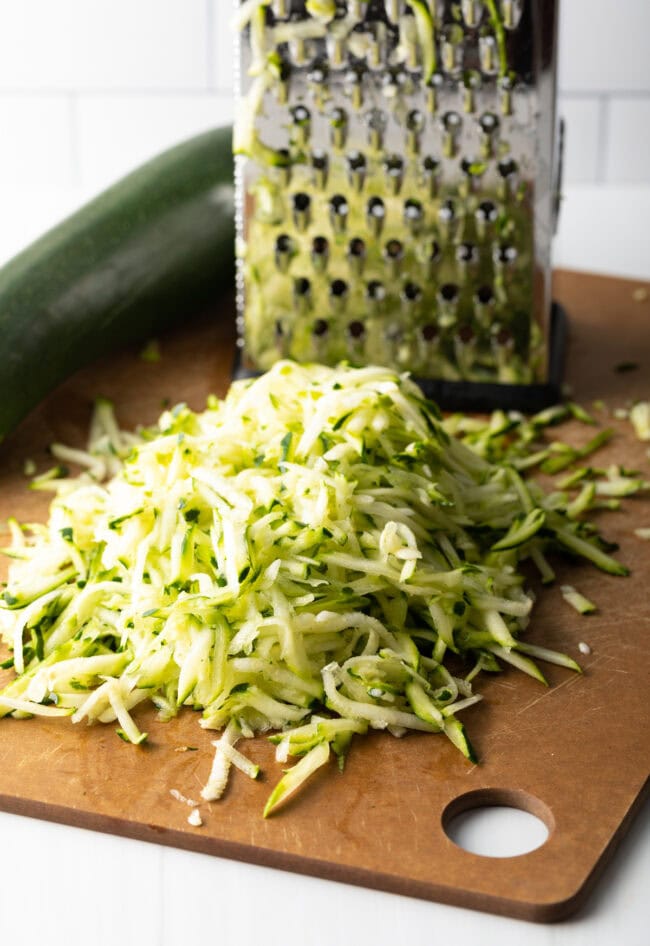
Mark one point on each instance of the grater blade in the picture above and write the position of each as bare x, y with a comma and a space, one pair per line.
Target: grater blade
395, 179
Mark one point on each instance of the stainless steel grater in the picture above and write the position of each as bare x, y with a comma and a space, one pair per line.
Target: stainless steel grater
397, 180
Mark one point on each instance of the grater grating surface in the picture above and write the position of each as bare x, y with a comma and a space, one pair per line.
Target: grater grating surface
396, 185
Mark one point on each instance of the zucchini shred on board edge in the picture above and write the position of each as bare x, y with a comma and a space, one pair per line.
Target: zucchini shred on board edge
301, 558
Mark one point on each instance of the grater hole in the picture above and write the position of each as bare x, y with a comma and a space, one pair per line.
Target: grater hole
284, 251
375, 291
414, 129
472, 80
508, 168
488, 52
411, 293
301, 287
467, 253
353, 79
357, 248
430, 168
466, 335
339, 205
503, 337
394, 80
394, 250
301, 115
302, 294
430, 165
320, 249
339, 209
320, 328
356, 330
320, 167
319, 160
484, 295
449, 292
447, 211
413, 213
473, 167
433, 88
506, 89
284, 243
283, 69
511, 11
356, 161
394, 164
301, 204
452, 48
486, 212
375, 215
301, 50
489, 123
429, 332
415, 121
394, 171
318, 73
338, 294
376, 32
451, 125
356, 166
338, 126
376, 125
489, 126
504, 254
452, 122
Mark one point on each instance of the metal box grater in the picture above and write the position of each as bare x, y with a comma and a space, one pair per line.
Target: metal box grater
397, 182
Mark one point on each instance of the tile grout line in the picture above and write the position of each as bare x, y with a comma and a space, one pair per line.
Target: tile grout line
46, 92
598, 93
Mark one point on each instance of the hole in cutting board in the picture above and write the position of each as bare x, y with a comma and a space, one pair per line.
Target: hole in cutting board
497, 822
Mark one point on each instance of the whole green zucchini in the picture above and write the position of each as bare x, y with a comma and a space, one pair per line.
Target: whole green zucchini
155, 247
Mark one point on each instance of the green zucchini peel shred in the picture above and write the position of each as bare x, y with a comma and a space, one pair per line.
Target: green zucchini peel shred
302, 558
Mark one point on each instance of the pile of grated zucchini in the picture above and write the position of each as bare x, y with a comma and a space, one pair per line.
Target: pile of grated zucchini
301, 558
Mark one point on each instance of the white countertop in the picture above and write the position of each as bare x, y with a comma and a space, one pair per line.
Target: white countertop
59, 884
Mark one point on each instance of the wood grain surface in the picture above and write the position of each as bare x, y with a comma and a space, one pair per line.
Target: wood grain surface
576, 754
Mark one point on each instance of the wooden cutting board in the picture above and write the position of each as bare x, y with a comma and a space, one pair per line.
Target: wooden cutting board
576, 754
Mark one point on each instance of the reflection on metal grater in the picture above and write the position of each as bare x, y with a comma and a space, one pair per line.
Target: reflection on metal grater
397, 185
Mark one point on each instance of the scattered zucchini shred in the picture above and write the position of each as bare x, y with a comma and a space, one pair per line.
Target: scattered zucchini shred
302, 558
640, 419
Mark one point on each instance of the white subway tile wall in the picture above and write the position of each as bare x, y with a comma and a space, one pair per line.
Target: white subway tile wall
89, 88
118, 132
627, 147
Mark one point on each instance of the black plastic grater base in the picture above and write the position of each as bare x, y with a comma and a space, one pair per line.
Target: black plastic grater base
478, 397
